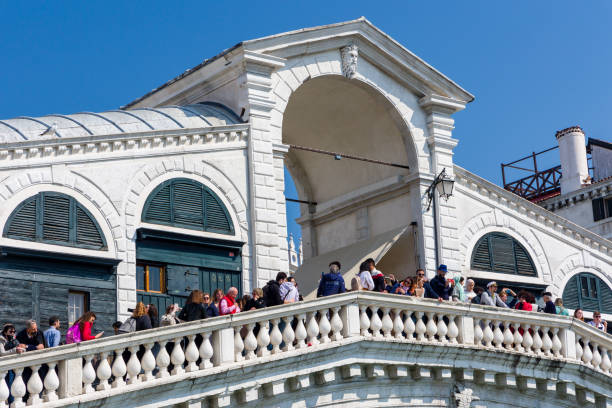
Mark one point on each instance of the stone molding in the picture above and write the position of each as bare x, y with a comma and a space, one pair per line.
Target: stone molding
576, 263
590, 192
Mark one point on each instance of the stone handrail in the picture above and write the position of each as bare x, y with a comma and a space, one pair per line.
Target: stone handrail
99, 368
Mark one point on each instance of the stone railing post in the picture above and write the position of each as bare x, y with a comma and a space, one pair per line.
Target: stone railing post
465, 324
70, 377
350, 320
223, 346
568, 343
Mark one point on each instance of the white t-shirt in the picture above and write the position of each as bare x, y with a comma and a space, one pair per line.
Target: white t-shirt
366, 280
469, 296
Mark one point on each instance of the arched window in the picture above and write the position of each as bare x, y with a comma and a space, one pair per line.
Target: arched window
499, 252
185, 203
54, 218
588, 292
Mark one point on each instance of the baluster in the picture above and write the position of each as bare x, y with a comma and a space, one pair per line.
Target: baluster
432, 328
508, 336
364, 321
453, 330
238, 344
409, 327
587, 354
148, 362
518, 337
300, 332
191, 354
162, 360
312, 329
35, 386
556, 343
606, 364
276, 337
579, 349
250, 342
104, 372
133, 366
487, 334
546, 341
51, 383
441, 328
289, 334
206, 350
89, 375
498, 336
119, 369
398, 323
18, 389
324, 326
537, 340
336, 324
596, 360
375, 322
527, 339
263, 339
177, 357
420, 327
478, 333
4, 391
386, 323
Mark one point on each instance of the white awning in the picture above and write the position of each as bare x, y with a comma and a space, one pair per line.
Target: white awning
351, 256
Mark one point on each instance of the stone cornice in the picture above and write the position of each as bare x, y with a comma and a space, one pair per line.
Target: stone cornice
570, 129
533, 211
589, 192
80, 146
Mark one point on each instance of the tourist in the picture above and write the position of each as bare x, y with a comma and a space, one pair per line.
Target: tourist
579, 315
143, 321
116, 327
31, 337
256, 301
490, 297
289, 291
194, 308
469, 290
213, 307
243, 301
523, 303
169, 318
598, 323
403, 288
549, 306
503, 295
9, 343
479, 291
228, 303
153, 315
365, 276
52, 335
441, 287
85, 323
559, 307
458, 294
419, 290
332, 282
377, 277
420, 273
356, 284
271, 291
393, 280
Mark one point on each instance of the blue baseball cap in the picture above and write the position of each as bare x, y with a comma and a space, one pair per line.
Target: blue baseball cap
443, 268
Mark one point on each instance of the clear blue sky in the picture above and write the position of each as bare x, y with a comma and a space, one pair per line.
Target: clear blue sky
534, 66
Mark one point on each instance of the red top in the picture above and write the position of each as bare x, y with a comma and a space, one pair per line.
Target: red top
229, 307
86, 332
526, 306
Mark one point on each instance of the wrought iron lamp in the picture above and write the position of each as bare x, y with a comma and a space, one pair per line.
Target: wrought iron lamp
443, 184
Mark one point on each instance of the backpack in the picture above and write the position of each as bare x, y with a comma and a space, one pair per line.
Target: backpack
73, 335
128, 326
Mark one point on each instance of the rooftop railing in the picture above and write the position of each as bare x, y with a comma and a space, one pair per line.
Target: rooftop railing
120, 364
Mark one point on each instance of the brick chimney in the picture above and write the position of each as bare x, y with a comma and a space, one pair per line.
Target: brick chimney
573, 154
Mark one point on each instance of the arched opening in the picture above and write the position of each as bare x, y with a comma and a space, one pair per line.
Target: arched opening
356, 207
588, 292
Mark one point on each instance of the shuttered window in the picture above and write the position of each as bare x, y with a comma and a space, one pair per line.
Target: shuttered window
54, 218
587, 292
185, 203
498, 252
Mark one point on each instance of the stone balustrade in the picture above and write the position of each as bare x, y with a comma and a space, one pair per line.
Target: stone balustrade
96, 369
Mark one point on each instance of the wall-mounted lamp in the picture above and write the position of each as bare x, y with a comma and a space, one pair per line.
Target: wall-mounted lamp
443, 184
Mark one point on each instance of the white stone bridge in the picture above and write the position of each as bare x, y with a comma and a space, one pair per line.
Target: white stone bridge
334, 351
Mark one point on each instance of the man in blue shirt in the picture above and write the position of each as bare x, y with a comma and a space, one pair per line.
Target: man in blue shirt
439, 286
331, 283
52, 334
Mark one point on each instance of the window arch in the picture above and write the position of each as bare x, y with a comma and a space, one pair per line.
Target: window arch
54, 218
499, 252
588, 292
186, 203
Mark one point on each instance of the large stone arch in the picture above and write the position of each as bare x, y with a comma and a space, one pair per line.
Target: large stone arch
496, 220
574, 264
16, 188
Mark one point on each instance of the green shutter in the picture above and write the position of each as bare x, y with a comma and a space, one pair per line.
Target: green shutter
571, 296
502, 253
54, 218
524, 265
498, 252
598, 209
481, 258
185, 203
605, 294
574, 297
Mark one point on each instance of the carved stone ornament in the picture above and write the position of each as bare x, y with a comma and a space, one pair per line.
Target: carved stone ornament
465, 397
350, 55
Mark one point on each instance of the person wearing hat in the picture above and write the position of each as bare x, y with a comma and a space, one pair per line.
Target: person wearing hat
490, 298
440, 286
